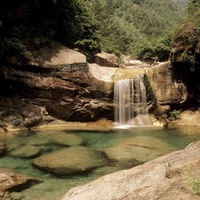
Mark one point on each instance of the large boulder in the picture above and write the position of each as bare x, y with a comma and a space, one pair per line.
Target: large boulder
58, 55
164, 178
70, 161
13, 181
106, 59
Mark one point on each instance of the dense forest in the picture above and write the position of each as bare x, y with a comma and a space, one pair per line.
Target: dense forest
141, 28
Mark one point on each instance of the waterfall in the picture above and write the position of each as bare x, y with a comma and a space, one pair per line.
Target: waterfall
130, 103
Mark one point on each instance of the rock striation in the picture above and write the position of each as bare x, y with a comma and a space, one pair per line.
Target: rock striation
54, 84
59, 84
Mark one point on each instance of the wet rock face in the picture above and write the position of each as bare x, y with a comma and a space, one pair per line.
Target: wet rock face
63, 90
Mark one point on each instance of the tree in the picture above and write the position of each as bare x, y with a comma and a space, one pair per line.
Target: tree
192, 6
27, 25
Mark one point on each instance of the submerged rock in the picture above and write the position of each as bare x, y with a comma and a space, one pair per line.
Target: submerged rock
165, 178
26, 151
137, 150
70, 161
67, 139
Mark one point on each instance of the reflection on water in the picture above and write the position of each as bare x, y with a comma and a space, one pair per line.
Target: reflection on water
122, 149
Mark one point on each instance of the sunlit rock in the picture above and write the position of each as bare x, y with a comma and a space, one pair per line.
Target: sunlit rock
188, 118
14, 181
58, 55
166, 89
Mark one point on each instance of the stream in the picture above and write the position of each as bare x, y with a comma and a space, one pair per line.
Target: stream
116, 144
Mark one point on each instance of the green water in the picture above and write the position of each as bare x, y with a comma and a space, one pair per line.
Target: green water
53, 188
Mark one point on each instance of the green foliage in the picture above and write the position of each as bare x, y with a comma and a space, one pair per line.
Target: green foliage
188, 35
14, 46
171, 114
118, 26
195, 184
137, 30
23, 22
138, 1
174, 114
163, 47
192, 7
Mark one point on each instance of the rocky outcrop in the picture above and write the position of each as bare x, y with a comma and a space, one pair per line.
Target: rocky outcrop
164, 178
184, 43
185, 57
167, 90
59, 84
56, 83
160, 82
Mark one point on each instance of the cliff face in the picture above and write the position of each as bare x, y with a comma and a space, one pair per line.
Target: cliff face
54, 84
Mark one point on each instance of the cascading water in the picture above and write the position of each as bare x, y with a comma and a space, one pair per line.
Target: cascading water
130, 103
